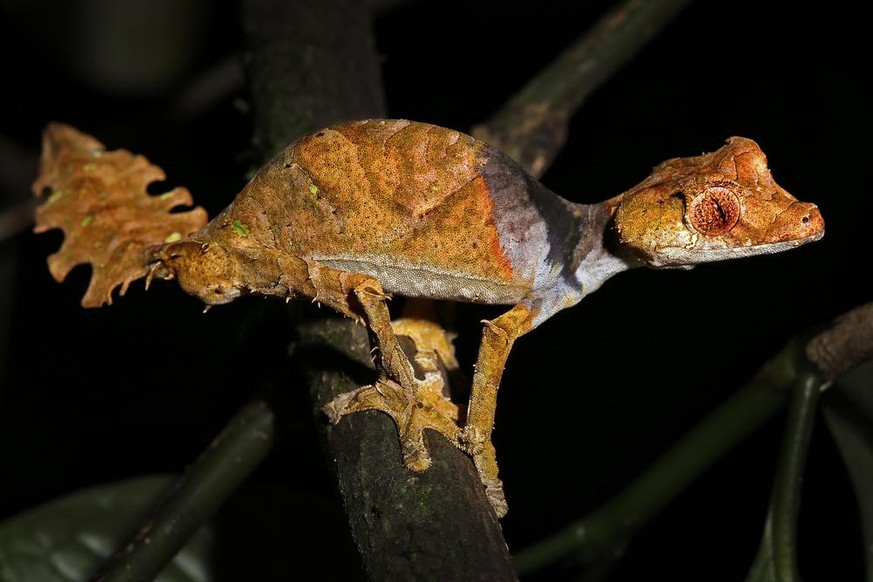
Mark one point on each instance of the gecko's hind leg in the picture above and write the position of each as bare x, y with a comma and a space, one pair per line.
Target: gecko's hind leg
432, 411
413, 404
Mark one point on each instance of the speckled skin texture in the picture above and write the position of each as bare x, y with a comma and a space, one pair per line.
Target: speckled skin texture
426, 210
362, 209
712, 207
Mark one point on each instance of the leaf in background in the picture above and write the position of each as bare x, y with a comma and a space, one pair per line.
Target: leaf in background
848, 413
99, 199
68, 539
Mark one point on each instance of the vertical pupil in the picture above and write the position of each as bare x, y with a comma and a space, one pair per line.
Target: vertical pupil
715, 211
719, 210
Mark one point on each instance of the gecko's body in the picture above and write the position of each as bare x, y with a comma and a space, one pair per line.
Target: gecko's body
429, 212
351, 212
434, 213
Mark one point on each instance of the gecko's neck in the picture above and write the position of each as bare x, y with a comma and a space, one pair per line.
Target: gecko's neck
589, 258
597, 255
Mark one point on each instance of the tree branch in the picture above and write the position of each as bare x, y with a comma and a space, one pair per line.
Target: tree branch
600, 537
311, 64
532, 126
436, 525
847, 343
195, 497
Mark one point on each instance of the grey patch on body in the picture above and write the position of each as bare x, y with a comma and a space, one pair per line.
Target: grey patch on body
536, 227
557, 245
426, 281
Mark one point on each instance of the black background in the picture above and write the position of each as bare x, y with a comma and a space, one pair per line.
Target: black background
588, 399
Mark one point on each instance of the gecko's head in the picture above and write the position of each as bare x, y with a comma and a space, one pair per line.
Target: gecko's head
207, 271
713, 207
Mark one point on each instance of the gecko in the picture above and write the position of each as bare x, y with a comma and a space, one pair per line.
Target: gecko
360, 211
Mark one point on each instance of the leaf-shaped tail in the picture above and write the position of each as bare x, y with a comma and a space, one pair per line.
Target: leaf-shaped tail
99, 199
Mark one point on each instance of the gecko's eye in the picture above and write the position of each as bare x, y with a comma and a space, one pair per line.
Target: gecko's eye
714, 211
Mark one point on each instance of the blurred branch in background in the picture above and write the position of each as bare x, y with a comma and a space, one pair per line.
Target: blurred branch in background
777, 556
807, 362
196, 496
532, 126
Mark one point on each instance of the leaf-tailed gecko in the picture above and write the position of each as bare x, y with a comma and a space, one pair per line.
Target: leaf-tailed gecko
358, 211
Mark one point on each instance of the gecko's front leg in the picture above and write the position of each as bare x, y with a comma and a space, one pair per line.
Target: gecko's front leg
498, 336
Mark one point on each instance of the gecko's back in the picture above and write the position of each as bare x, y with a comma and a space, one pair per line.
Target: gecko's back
426, 210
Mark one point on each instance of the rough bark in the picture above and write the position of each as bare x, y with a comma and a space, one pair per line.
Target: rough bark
435, 525
846, 343
311, 64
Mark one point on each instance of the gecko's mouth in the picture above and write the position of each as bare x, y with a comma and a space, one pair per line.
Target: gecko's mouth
679, 257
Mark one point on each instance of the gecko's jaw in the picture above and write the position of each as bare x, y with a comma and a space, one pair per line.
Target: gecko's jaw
685, 258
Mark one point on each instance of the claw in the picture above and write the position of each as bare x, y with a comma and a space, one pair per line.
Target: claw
432, 411
472, 440
415, 455
494, 493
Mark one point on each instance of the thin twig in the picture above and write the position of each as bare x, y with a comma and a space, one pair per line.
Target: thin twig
777, 556
602, 535
847, 343
789, 474
198, 494
532, 126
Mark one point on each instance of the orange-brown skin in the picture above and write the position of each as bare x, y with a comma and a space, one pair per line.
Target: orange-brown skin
362, 209
411, 203
395, 199
710, 207
381, 199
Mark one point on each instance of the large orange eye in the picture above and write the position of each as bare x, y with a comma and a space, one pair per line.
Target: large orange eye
714, 211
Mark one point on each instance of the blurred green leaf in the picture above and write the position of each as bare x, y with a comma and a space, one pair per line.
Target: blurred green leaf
848, 413
67, 539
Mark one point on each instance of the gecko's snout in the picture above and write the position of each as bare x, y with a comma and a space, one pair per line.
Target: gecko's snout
809, 223
800, 222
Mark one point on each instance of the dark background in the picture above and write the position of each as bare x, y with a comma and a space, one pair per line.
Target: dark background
589, 399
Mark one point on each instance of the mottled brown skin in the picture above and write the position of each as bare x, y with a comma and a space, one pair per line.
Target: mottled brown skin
384, 200
363, 209
710, 207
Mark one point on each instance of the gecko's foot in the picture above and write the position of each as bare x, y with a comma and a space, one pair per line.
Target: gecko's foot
475, 444
494, 493
430, 410
472, 440
423, 405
